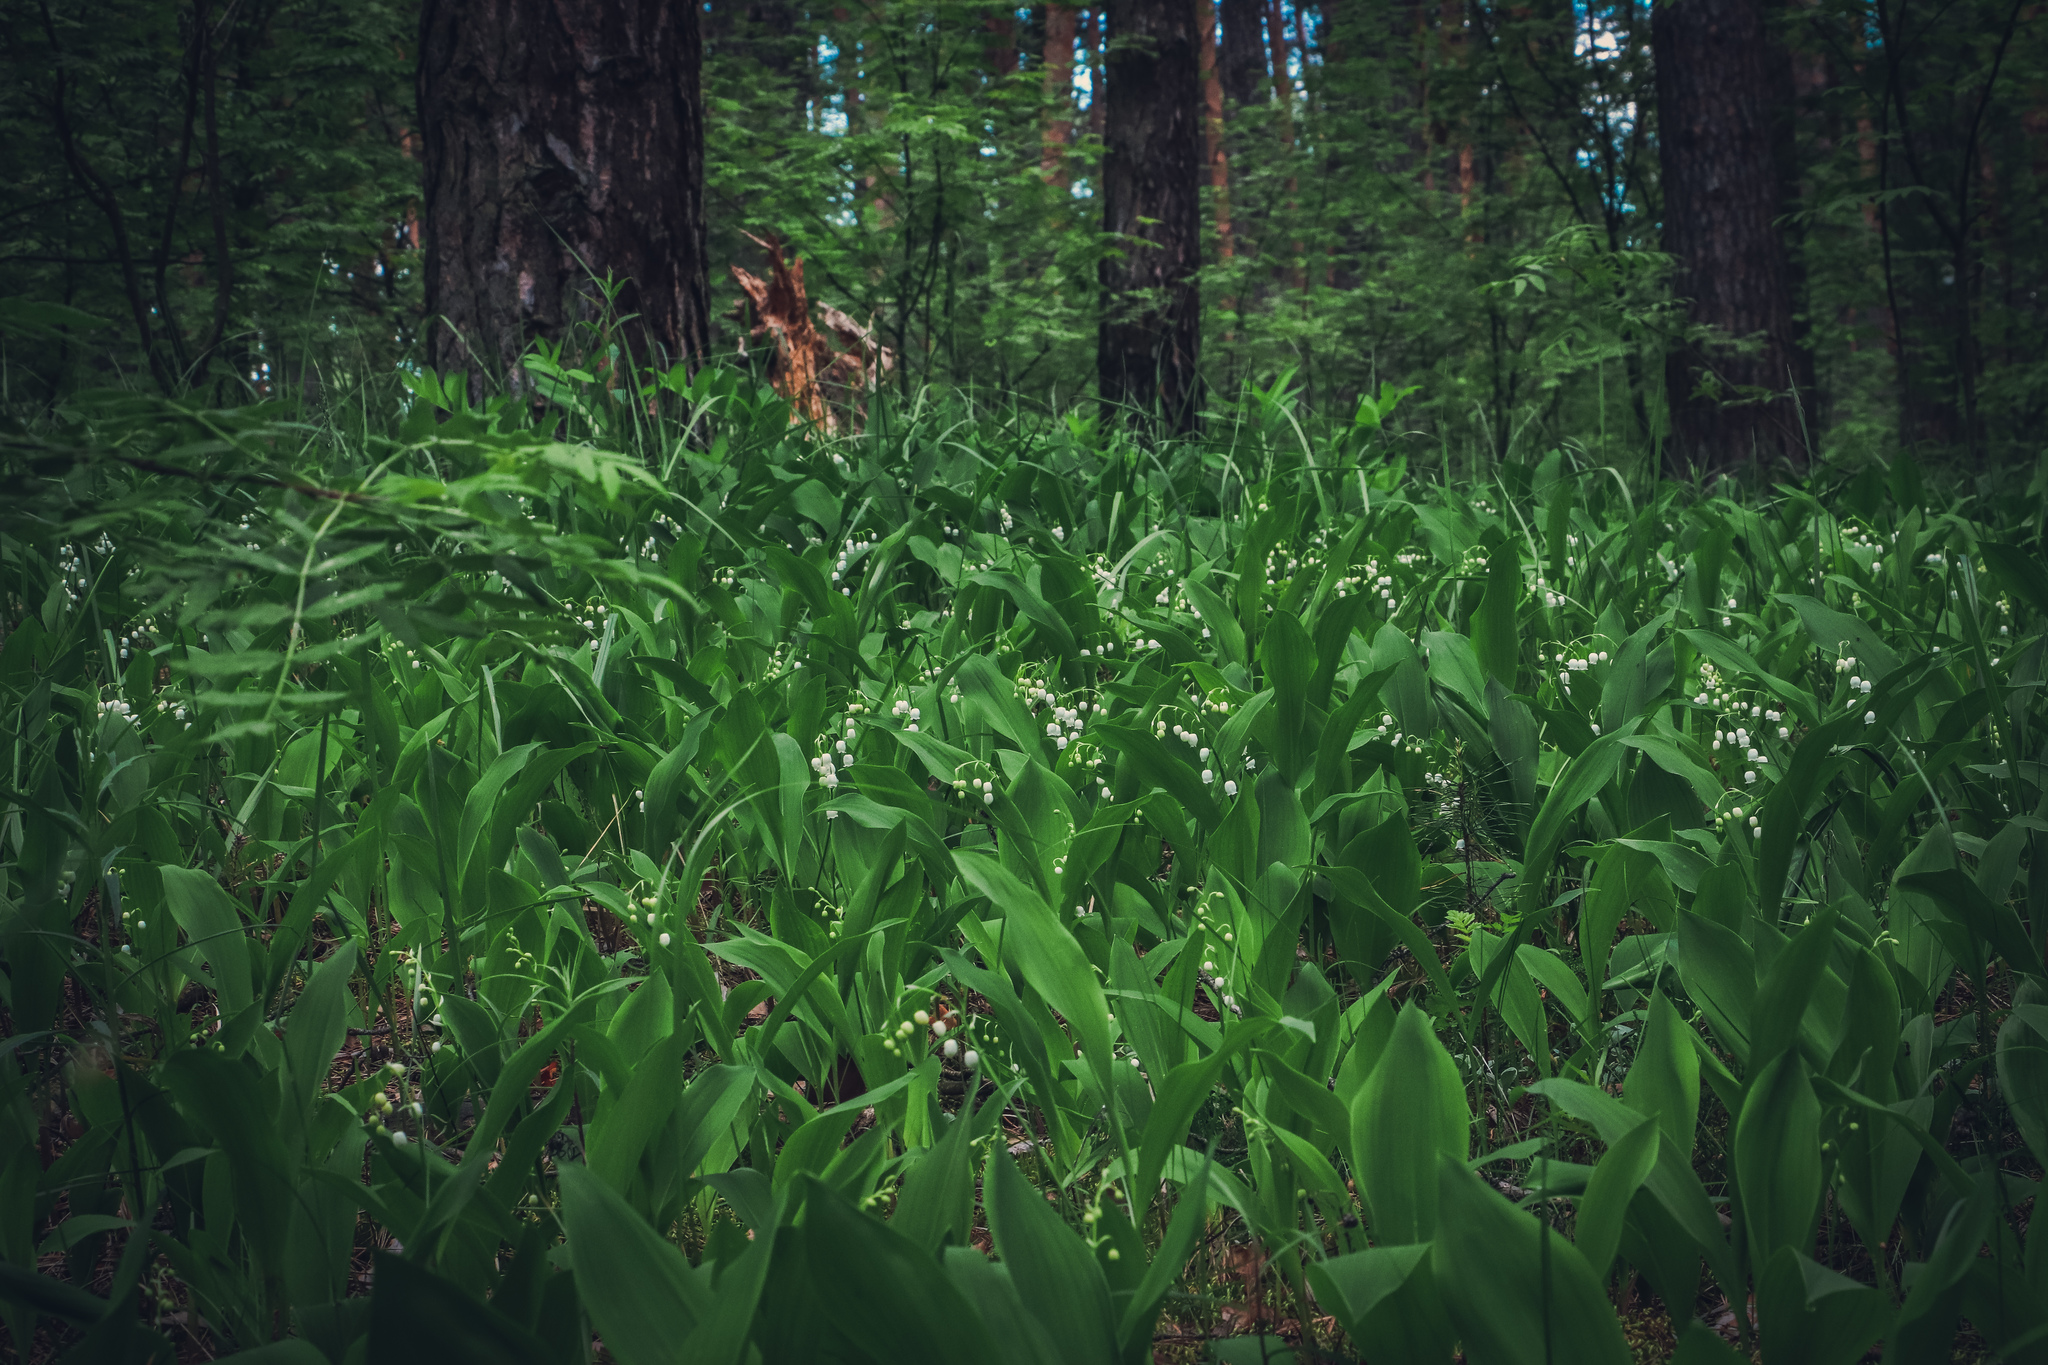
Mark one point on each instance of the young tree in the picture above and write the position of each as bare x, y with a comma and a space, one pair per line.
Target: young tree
564, 141
1738, 396
1150, 335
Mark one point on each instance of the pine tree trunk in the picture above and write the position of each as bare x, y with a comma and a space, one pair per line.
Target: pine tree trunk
1150, 336
999, 50
1213, 150
1062, 22
1241, 55
562, 140
1721, 199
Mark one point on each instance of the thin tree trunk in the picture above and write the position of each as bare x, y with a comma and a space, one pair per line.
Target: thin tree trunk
1091, 38
564, 140
1150, 337
1061, 24
1720, 205
1217, 154
223, 262
102, 197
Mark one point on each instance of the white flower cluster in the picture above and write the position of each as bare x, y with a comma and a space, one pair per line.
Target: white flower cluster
71, 572
852, 548
828, 773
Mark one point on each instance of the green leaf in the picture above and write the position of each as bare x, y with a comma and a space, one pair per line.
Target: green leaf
1996, 926
640, 1291
212, 922
419, 1318
1387, 1295
1051, 961
1664, 1079
1410, 1113
1216, 615
1835, 634
631, 1118
319, 1025
1781, 1000
1620, 1172
1182, 1232
1580, 782
1178, 1097
2023, 1073
1354, 888
1519, 1293
1814, 1315
1495, 638
884, 1291
1719, 972
1055, 1274
936, 1201
1778, 1158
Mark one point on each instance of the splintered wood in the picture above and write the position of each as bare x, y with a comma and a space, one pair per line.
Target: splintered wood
820, 380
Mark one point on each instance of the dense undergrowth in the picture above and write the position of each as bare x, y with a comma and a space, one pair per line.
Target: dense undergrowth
485, 884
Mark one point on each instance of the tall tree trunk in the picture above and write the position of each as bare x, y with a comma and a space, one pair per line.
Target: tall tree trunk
999, 49
563, 139
1092, 42
1241, 55
1150, 335
1213, 150
1721, 197
1062, 22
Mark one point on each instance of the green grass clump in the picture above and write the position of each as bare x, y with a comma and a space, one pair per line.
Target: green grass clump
624, 869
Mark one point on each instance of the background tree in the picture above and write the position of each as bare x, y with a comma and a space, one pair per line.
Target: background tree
564, 147
1149, 343
1739, 382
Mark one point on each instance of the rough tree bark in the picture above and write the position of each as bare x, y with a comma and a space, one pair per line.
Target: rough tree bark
563, 138
1151, 328
1721, 199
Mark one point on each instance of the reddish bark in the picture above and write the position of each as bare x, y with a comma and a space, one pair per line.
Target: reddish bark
1062, 22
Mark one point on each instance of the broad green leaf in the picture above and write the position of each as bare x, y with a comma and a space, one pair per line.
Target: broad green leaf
885, 1292
1055, 1274
1778, 1158
1719, 972
1621, 1171
1814, 1315
1495, 638
631, 1118
419, 1318
319, 1024
1410, 1113
1664, 1079
1519, 1292
642, 1294
213, 925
